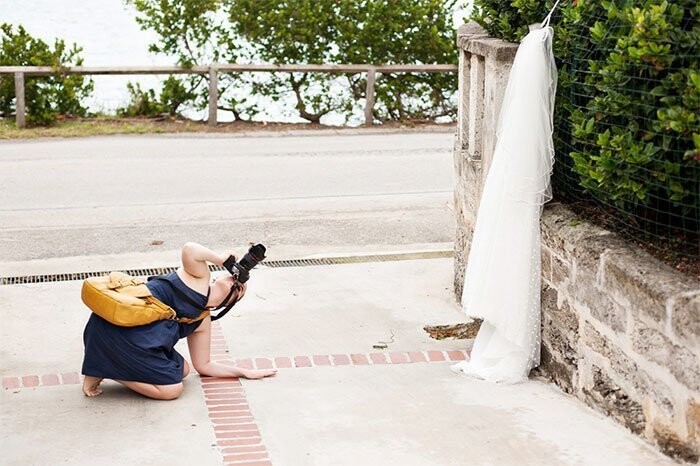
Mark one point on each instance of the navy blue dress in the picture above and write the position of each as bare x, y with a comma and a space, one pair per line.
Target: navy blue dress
145, 353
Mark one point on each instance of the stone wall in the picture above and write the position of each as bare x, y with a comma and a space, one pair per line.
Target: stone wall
620, 330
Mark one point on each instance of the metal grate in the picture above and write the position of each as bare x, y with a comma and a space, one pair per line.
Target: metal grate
64, 277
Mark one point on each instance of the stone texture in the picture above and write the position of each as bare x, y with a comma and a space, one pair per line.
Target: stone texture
546, 264
643, 282
685, 366
461, 246
562, 315
655, 346
563, 375
599, 304
560, 342
615, 402
559, 352
595, 341
685, 319
644, 385
561, 271
470, 30
564, 232
673, 445
693, 419
651, 344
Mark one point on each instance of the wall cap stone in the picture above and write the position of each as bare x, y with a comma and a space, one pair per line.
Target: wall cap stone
472, 38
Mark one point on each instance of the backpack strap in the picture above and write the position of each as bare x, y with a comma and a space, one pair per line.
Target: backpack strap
186, 297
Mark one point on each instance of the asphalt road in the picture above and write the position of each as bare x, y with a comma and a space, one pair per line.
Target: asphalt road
123, 194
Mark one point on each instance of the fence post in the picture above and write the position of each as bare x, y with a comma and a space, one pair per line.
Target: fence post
19, 95
369, 96
213, 94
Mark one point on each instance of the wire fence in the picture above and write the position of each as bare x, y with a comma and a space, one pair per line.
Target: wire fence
628, 125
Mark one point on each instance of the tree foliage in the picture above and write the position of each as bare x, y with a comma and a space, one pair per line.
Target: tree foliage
196, 32
46, 97
314, 32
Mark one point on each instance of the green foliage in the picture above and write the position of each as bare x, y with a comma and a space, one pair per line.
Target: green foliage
196, 32
175, 94
509, 19
638, 103
141, 103
396, 32
146, 103
290, 32
628, 101
45, 97
312, 31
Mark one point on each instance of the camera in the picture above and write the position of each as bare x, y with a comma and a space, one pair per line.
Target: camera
241, 269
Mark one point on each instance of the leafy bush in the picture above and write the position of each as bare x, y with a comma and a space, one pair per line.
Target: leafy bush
141, 103
509, 19
174, 94
46, 97
146, 103
628, 103
639, 106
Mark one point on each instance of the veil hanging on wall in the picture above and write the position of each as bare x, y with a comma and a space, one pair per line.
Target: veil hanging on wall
503, 275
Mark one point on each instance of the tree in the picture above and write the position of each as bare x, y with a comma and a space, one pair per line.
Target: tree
45, 96
314, 32
196, 32
401, 32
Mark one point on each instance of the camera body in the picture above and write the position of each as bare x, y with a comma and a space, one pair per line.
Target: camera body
241, 269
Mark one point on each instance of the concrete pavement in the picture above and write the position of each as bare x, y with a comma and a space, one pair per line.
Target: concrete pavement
335, 401
114, 203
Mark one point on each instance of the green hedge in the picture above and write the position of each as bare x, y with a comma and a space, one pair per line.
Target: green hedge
628, 105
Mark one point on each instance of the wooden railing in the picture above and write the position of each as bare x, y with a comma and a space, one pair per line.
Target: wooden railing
213, 71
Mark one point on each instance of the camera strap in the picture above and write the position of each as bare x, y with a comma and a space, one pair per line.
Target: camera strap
225, 307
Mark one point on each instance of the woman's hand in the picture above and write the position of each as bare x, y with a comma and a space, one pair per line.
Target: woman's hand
253, 374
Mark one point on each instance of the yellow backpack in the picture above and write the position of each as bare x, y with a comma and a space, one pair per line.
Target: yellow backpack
125, 301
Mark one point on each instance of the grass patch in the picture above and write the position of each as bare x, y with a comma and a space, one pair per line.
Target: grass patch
100, 126
81, 127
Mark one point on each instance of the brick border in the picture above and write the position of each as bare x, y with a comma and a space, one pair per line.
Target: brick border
236, 432
219, 354
233, 423
350, 359
31, 381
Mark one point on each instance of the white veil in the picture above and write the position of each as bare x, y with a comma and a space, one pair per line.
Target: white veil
503, 276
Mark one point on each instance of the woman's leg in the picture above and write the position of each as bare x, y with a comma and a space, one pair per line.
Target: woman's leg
185, 368
91, 386
157, 392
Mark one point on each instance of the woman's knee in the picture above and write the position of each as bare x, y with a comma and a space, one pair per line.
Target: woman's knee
185, 368
169, 392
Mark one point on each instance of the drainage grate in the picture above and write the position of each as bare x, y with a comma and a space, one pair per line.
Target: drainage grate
64, 277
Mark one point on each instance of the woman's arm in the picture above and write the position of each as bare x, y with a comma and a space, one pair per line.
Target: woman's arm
195, 258
199, 344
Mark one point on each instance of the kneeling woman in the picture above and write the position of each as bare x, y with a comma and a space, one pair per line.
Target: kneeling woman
143, 358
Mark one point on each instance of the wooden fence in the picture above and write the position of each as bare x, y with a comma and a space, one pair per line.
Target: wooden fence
213, 71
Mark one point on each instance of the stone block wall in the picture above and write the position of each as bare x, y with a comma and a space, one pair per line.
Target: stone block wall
620, 330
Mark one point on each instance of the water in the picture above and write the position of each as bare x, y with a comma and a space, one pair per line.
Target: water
109, 35
105, 29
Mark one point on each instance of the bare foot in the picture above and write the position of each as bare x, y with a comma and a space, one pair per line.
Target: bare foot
91, 386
